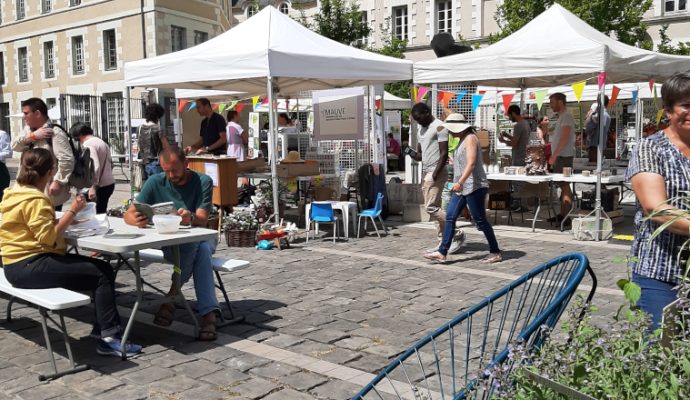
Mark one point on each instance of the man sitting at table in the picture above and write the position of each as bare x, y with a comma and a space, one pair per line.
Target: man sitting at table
191, 193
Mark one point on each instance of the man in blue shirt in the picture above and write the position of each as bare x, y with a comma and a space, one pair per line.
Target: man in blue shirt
191, 193
592, 131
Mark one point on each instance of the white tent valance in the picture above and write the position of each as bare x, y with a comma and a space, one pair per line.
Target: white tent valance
556, 48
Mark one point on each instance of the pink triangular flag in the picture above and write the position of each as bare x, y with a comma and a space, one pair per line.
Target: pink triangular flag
601, 79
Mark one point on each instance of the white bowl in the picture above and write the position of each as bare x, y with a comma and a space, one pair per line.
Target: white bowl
86, 214
167, 223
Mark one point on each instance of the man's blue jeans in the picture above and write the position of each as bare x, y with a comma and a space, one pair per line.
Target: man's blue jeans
475, 202
655, 296
195, 260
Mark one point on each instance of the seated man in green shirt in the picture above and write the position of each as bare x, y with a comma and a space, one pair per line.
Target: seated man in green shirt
191, 193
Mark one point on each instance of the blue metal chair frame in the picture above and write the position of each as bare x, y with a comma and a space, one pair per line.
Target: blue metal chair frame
322, 213
457, 357
372, 213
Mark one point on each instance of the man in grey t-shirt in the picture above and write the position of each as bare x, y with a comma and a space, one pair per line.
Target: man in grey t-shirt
562, 150
519, 139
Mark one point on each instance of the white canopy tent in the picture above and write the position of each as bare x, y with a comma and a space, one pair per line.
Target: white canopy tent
556, 48
268, 54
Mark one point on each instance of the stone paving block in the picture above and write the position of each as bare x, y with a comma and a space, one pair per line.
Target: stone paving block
283, 341
173, 385
72, 379
10, 373
288, 394
225, 377
205, 392
354, 315
23, 382
311, 348
356, 343
244, 362
255, 388
385, 350
340, 356
327, 336
274, 370
169, 358
197, 368
96, 386
43, 392
336, 390
303, 380
371, 363
342, 325
218, 354
148, 375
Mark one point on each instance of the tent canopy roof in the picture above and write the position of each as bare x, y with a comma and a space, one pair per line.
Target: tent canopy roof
556, 48
269, 44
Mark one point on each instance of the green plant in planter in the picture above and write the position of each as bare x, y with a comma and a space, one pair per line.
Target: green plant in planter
240, 221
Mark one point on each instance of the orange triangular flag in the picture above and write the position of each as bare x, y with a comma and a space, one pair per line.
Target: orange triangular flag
614, 95
445, 98
651, 84
183, 103
507, 99
239, 107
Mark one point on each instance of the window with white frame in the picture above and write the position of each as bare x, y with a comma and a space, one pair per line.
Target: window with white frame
23, 64
251, 10
49, 59
675, 5
400, 22
5, 124
361, 42
21, 9
51, 102
77, 55
73, 3
109, 50
284, 8
46, 6
178, 37
444, 16
200, 37
2, 68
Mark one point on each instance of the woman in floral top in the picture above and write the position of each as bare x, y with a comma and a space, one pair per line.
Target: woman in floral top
659, 171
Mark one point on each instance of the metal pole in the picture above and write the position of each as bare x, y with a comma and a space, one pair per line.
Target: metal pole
600, 156
273, 131
128, 138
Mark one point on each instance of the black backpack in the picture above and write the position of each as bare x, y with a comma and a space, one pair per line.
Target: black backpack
84, 172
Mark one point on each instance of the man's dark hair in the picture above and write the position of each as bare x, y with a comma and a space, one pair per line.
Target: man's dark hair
675, 89
606, 101
422, 114
203, 101
231, 114
558, 96
514, 109
390, 135
36, 104
172, 151
154, 112
80, 129
286, 116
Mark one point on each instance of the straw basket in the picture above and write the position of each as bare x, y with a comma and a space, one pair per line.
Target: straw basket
238, 238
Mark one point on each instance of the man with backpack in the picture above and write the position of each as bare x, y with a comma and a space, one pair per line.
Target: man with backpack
103, 183
40, 132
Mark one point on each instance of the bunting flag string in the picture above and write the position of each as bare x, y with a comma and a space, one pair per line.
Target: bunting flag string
232, 105
222, 107
378, 105
659, 114
413, 94
539, 96
421, 92
216, 106
634, 96
614, 95
507, 99
192, 106
255, 101
651, 84
460, 95
601, 79
264, 100
445, 98
239, 107
182, 105
476, 99
578, 88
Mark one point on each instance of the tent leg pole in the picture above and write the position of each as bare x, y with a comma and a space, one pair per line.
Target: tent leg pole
128, 138
600, 156
273, 129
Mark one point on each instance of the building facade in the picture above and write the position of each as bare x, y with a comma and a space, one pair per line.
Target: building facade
417, 21
53, 48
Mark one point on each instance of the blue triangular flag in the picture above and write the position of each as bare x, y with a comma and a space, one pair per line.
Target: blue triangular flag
460, 94
476, 99
192, 106
634, 96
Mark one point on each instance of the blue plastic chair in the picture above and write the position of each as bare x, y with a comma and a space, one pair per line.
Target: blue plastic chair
458, 357
320, 213
372, 213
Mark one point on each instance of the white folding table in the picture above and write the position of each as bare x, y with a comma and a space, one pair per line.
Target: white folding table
150, 239
523, 178
344, 206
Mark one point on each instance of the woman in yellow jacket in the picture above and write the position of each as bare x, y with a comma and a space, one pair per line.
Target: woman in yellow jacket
34, 252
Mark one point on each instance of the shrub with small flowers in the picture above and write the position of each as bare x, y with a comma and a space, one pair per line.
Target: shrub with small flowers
240, 221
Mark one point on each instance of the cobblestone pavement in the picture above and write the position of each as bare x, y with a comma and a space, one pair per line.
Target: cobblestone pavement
320, 319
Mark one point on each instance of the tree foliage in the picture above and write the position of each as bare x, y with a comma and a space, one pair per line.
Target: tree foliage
666, 46
620, 18
340, 20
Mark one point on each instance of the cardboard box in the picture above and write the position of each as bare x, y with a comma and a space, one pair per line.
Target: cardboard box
251, 165
483, 136
298, 169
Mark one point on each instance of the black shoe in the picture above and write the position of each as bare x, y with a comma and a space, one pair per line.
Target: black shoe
557, 219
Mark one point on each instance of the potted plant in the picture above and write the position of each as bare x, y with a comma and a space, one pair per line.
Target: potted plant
265, 199
240, 229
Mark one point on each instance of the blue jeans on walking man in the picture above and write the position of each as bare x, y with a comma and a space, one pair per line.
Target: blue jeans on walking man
475, 202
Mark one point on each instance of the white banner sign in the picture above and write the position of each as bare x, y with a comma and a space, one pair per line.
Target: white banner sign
254, 138
338, 114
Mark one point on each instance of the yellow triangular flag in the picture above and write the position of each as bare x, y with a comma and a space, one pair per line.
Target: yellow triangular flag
232, 105
659, 114
414, 93
539, 95
255, 100
578, 88
222, 107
